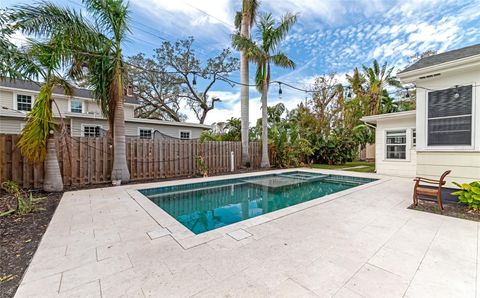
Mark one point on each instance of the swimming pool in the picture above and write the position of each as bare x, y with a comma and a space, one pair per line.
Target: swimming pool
206, 206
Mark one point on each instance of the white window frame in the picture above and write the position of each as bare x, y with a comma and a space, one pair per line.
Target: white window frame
473, 115
145, 128
407, 156
82, 127
180, 134
70, 105
15, 101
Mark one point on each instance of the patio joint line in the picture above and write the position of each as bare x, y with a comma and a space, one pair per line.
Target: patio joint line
302, 286
100, 287
421, 261
382, 246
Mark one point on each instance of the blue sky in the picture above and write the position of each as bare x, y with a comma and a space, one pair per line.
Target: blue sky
331, 36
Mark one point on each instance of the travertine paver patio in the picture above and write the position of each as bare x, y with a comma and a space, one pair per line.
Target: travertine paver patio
101, 243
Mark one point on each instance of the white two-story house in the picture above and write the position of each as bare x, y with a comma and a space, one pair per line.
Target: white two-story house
443, 133
82, 114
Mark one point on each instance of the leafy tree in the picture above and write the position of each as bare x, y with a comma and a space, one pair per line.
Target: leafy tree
224, 131
158, 91
264, 53
180, 57
97, 45
377, 78
244, 21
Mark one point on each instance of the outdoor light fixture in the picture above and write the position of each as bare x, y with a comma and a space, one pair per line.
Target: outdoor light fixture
349, 93
408, 94
280, 88
457, 94
194, 82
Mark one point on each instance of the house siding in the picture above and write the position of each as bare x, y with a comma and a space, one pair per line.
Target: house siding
403, 168
463, 161
10, 125
92, 116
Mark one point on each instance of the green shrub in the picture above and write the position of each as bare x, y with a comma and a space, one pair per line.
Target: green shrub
469, 194
25, 202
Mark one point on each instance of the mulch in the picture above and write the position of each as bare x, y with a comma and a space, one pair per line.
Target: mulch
21, 235
19, 238
453, 209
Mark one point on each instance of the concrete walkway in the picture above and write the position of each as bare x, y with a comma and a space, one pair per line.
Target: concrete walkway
363, 244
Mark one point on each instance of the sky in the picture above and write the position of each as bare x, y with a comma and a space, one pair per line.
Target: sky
331, 36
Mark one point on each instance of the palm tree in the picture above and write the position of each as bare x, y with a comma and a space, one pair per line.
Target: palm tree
244, 21
377, 79
97, 46
37, 140
264, 53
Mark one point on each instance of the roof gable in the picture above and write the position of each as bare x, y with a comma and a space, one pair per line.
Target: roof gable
35, 86
444, 58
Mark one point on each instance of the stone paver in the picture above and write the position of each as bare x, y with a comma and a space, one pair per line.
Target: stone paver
103, 243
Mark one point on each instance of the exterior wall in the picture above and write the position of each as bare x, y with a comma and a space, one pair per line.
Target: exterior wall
92, 116
403, 168
444, 81
463, 161
131, 129
10, 125
370, 152
465, 166
76, 125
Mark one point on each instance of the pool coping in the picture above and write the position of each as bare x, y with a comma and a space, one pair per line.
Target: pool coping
170, 227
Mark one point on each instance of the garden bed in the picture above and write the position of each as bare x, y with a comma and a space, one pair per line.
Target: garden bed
19, 239
452, 209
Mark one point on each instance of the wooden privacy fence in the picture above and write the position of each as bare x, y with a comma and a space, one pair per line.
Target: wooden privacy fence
86, 161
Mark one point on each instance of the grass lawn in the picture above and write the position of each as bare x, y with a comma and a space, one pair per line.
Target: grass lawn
367, 167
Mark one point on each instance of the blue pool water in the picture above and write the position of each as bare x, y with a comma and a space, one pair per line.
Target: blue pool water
206, 206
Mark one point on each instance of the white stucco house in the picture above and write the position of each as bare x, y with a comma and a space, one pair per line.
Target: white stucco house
443, 133
82, 114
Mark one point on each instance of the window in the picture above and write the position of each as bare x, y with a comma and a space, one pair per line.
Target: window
92, 131
184, 134
76, 106
396, 144
145, 133
450, 117
24, 102
414, 137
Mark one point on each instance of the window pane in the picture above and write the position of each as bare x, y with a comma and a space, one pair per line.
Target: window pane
450, 131
443, 103
92, 131
145, 134
24, 102
75, 106
396, 151
184, 135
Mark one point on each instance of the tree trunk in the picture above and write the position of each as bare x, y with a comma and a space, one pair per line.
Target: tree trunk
265, 159
52, 181
119, 169
244, 92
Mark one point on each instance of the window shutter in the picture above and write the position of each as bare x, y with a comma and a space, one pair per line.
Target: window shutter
450, 118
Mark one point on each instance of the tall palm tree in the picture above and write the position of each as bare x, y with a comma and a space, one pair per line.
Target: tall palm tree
244, 21
99, 46
37, 140
377, 79
264, 53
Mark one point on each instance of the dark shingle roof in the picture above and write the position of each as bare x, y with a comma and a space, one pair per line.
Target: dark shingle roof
33, 86
444, 57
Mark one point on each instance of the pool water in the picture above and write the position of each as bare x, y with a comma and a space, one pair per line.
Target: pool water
206, 206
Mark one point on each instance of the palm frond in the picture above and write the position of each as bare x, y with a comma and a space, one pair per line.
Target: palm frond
282, 60
278, 34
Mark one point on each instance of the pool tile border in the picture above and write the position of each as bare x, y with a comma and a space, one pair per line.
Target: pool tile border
187, 239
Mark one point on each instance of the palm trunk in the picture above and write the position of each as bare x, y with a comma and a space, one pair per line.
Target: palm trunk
120, 168
265, 159
53, 177
244, 92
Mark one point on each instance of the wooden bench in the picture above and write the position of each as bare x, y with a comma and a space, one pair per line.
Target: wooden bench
424, 190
